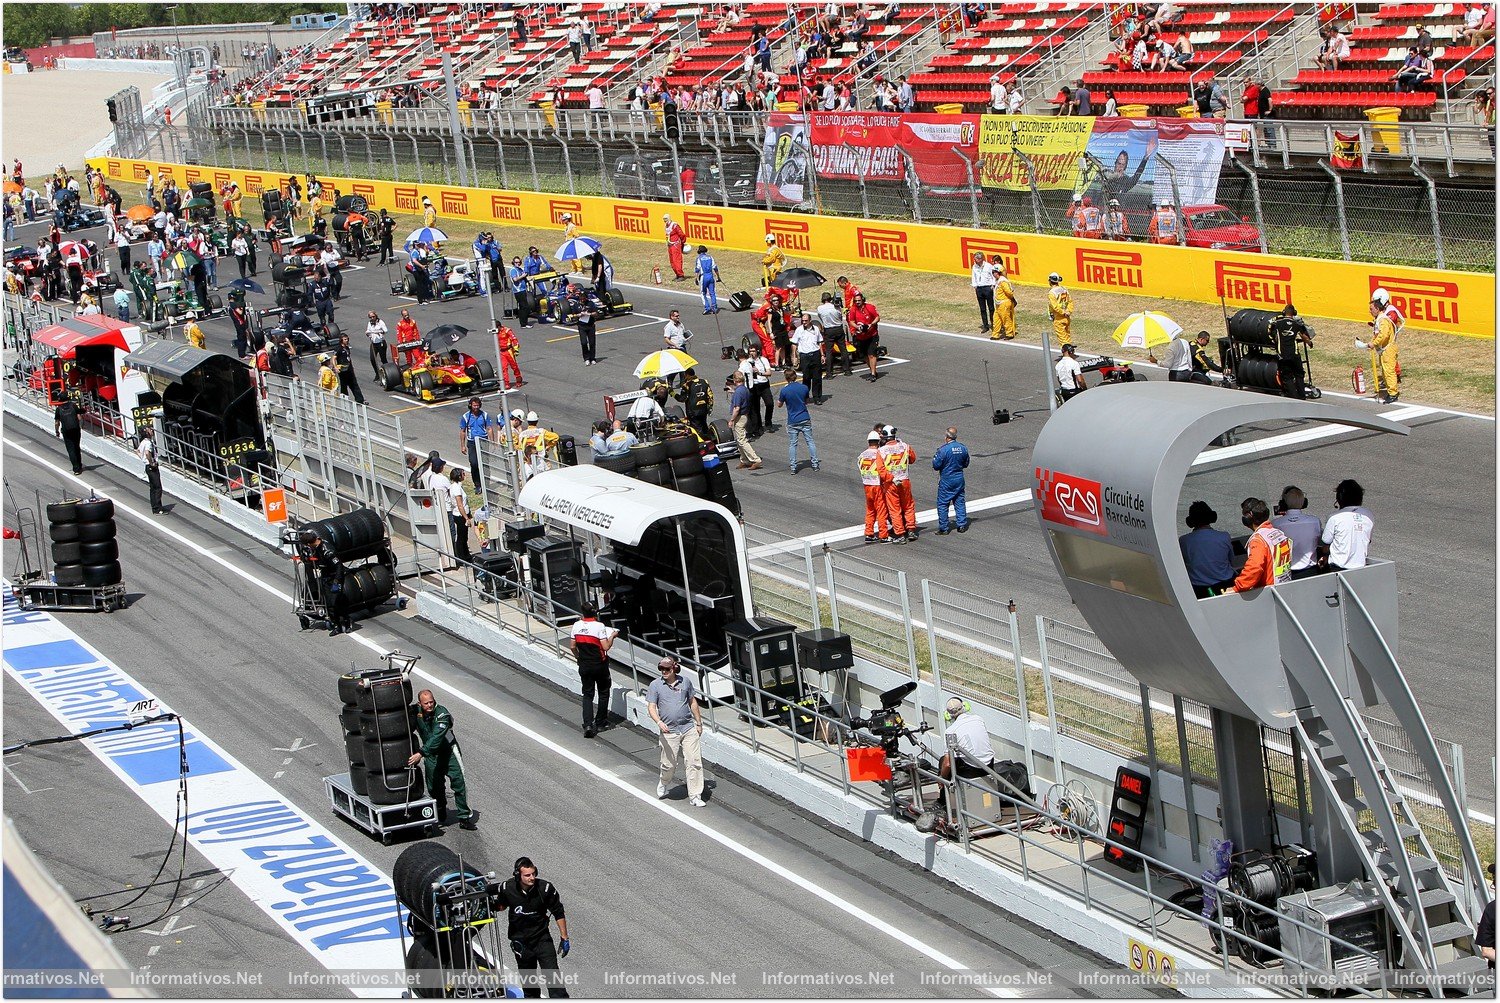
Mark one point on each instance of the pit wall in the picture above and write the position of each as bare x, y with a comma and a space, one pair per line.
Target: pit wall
1461, 303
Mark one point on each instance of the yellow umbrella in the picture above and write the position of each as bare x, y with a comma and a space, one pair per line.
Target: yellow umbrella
1146, 330
667, 362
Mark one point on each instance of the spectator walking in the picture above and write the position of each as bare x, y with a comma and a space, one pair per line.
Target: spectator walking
794, 398
590, 643
673, 704
950, 460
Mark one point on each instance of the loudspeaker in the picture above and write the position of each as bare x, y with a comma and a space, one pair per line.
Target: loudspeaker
517, 534
495, 572
763, 654
824, 650
556, 568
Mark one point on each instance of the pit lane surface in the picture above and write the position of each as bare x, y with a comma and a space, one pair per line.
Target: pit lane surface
646, 891
1432, 492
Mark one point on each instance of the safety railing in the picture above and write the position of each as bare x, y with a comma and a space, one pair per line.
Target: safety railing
1064, 866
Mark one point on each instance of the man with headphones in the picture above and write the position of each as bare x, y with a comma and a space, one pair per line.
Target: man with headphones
530, 901
970, 739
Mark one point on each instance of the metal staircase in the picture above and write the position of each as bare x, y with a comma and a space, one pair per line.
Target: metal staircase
1432, 915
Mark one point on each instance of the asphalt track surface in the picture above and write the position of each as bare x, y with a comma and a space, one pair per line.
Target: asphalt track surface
1432, 492
650, 886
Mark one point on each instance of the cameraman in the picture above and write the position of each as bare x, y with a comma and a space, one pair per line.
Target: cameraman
971, 740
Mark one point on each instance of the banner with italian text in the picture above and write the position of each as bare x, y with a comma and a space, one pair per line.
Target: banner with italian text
869, 145
1053, 148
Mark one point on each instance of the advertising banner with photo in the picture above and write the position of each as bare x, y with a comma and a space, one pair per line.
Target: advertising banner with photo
855, 144
1054, 146
784, 160
1121, 163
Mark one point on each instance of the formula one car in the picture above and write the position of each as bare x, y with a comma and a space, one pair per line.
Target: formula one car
580, 289
451, 278
428, 375
70, 214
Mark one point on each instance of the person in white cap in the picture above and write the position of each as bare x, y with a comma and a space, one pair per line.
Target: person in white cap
1060, 309
998, 95
1387, 322
543, 440
1163, 226
676, 241
1116, 226
328, 377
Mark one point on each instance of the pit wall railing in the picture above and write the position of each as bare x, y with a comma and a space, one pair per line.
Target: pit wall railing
1068, 690
1447, 301
1040, 843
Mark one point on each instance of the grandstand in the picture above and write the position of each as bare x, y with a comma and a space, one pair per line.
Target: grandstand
948, 52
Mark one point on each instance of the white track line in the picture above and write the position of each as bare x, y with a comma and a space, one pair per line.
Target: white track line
644, 797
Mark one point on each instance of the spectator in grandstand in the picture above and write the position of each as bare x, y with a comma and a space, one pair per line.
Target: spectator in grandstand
906, 98
1252, 97
1335, 49
1178, 55
595, 94
575, 38
1140, 55
1017, 98
1082, 101
1063, 101
1416, 71
997, 94
1111, 104
1424, 40
762, 47
519, 29
1218, 103
1479, 25
587, 26
1484, 111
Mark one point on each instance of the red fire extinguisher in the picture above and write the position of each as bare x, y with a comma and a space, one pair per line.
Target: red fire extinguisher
656, 274
1357, 380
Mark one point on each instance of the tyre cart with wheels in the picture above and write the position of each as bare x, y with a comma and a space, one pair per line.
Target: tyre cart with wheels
63, 588
380, 700
313, 603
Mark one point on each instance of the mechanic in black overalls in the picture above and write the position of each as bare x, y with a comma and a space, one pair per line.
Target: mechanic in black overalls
697, 401
529, 900
324, 562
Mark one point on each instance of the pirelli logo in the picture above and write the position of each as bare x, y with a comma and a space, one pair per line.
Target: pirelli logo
168, 172
221, 179
453, 203
556, 208
254, 184
506, 207
113, 168
882, 245
703, 227
191, 174
791, 234
1009, 251
1421, 301
1113, 269
632, 219
1256, 284
365, 189
139, 172
406, 197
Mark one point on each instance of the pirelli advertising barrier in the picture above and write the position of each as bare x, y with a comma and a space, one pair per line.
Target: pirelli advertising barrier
1461, 303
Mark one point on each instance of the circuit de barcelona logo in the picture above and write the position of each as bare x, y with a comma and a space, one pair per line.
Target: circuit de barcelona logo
1080, 503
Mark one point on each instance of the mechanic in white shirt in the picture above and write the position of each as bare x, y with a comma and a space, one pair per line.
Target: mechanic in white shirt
1302, 529
1069, 373
1347, 534
970, 739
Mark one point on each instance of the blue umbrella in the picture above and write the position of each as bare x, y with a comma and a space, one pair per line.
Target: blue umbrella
578, 247
426, 235
248, 285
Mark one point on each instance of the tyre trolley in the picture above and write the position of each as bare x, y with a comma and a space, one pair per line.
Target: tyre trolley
63, 584
379, 793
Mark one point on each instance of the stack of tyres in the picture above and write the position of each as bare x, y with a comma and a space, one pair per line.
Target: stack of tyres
384, 715
360, 536
720, 486
687, 466
354, 742
439, 943
650, 460
84, 548
622, 464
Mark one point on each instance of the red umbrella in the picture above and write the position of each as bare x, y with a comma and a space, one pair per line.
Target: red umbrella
73, 253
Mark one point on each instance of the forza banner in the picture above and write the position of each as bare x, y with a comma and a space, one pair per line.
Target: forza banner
784, 159
1053, 146
868, 144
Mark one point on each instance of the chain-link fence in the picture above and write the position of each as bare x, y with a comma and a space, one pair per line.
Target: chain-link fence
1436, 207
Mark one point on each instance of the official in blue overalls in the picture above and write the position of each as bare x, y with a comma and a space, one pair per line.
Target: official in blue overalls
950, 461
707, 272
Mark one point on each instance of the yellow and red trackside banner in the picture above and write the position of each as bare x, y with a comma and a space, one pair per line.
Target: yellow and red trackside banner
1461, 303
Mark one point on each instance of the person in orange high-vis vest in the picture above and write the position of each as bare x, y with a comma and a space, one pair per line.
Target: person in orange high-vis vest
1163, 226
899, 504
874, 476
1268, 559
1093, 221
